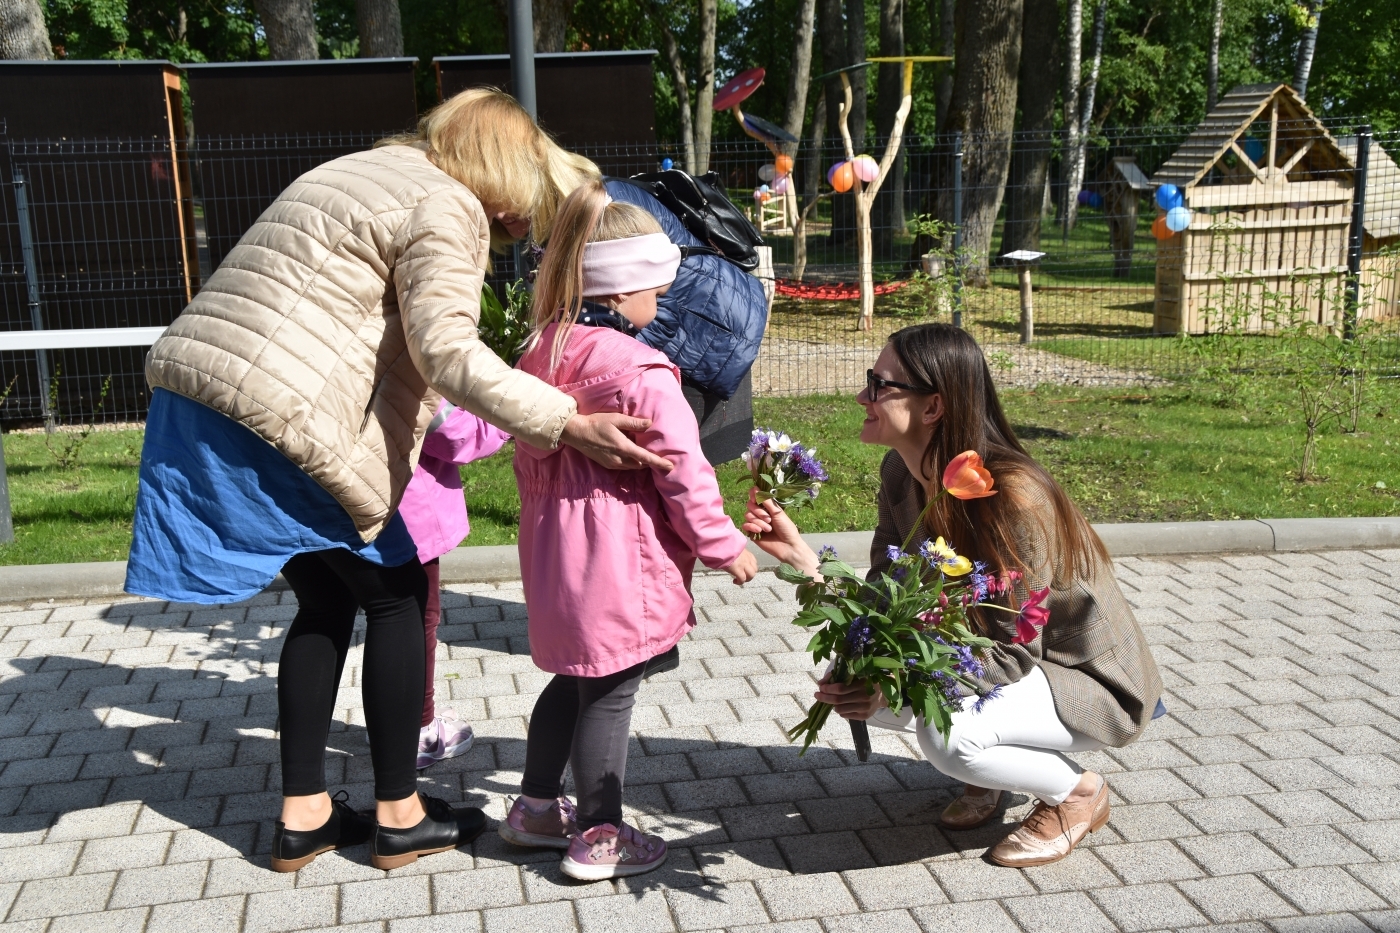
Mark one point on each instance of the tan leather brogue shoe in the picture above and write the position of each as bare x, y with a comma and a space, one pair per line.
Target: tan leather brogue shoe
975, 807
1051, 833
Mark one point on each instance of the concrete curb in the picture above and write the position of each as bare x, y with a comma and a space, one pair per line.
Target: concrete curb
502, 564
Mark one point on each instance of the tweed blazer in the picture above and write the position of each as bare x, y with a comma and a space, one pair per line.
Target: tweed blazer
343, 316
1095, 656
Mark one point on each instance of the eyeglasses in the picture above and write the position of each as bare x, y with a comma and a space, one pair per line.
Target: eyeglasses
873, 385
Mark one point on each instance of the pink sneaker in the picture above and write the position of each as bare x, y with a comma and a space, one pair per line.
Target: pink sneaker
608, 852
445, 737
548, 828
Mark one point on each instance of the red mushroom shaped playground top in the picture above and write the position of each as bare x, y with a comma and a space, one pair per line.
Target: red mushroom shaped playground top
738, 88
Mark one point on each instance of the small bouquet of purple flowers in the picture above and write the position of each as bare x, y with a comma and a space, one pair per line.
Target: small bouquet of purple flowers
783, 469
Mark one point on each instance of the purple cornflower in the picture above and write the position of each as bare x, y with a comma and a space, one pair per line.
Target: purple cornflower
981, 583
968, 665
827, 552
812, 467
895, 552
858, 637
991, 694
948, 685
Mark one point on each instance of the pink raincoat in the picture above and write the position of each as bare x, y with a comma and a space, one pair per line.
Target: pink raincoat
433, 506
606, 555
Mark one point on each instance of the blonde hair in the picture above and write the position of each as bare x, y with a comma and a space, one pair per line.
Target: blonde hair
567, 171
483, 138
586, 216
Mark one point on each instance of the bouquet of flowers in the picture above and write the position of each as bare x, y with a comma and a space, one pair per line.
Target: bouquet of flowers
907, 634
783, 469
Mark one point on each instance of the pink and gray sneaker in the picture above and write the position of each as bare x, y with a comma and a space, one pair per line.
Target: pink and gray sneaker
550, 827
445, 737
608, 852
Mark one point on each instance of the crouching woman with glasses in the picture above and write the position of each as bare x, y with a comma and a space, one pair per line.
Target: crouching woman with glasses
1086, 681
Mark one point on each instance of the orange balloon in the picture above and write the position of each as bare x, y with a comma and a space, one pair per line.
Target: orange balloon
1160, 229
783, 164
843, 177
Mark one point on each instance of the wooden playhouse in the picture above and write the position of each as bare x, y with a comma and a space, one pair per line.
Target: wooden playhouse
1270, 193
1380, 247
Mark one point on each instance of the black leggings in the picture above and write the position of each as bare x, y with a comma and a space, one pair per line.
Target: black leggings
330, 586
583, 721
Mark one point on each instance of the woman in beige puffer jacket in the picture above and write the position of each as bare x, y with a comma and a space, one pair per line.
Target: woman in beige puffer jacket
289, 404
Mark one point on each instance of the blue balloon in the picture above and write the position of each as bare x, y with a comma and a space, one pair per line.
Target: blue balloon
1169, 196
1178, 219
666, 165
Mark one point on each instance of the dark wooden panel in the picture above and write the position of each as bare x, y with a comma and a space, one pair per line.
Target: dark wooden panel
50, 100
298, 98
585, 98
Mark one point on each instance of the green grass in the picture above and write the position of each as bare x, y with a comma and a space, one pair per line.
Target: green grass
1125, 455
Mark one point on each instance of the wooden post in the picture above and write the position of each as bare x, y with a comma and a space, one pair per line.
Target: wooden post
1024, 258
7, 527
1023, 274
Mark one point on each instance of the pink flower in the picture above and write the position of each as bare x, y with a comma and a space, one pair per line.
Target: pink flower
1032, 617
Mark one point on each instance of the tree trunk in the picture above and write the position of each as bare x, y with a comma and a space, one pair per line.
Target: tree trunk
1074, 54
1030, 156
552, 24
832, 31
1307, 45
1086, 116
23, 33
983, 107
795, 113
855, 52
947, 31
1217, 20
705, 85
677, 65
290, 26
810, 191
381, 30
889, 203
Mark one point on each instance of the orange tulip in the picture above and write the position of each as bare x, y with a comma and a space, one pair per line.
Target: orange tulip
966, 478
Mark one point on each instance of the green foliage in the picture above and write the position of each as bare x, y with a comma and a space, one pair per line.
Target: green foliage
505, 328
147, 29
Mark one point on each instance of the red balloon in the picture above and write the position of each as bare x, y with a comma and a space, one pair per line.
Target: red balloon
842, 176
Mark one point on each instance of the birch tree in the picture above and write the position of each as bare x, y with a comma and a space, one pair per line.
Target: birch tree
1030, 156
1074, 55
1084, 119
1309, 15
1217, 21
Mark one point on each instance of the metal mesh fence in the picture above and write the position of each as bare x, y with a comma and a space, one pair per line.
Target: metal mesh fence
124, 231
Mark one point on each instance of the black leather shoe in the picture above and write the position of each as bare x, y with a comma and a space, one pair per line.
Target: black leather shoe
445, 827
293, 849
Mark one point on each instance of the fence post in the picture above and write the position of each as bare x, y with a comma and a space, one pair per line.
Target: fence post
31, 279
957, 228
1358, 231
7, 525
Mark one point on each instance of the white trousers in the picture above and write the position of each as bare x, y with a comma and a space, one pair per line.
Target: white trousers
1015, 744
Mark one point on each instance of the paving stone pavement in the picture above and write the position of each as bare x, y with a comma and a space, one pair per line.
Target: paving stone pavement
140, 776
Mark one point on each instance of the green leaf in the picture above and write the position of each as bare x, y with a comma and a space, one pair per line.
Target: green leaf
889, 664
790, 574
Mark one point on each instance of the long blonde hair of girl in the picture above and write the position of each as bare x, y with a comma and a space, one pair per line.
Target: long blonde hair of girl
586, 216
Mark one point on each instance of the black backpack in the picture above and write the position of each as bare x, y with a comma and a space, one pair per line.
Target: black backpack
707, 212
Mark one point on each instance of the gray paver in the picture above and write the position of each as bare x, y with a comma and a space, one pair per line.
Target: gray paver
140, 777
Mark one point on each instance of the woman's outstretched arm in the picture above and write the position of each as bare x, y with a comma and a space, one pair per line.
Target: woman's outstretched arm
778, 535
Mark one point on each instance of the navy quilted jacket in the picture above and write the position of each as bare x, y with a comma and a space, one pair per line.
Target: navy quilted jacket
710, 323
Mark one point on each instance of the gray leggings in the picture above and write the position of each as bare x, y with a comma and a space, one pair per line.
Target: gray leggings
583, 721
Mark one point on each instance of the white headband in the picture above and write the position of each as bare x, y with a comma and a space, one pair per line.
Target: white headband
631, 264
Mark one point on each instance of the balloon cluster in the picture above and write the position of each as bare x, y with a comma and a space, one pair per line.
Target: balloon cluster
1177, 217
778, 175
1089, 198
842, 176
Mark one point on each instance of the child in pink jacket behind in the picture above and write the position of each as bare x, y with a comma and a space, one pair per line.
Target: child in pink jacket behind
606, 555
435, 512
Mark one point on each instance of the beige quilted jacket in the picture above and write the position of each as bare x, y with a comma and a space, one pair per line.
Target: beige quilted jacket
336, 322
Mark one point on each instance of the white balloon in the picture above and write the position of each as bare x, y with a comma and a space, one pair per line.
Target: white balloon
766, 172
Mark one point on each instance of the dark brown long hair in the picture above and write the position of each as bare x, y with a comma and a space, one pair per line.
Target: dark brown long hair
945, 360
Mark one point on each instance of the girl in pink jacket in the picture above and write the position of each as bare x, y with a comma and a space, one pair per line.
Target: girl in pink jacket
436, 515
606, 555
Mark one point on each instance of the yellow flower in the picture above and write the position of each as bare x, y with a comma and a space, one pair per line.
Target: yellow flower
940, 554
